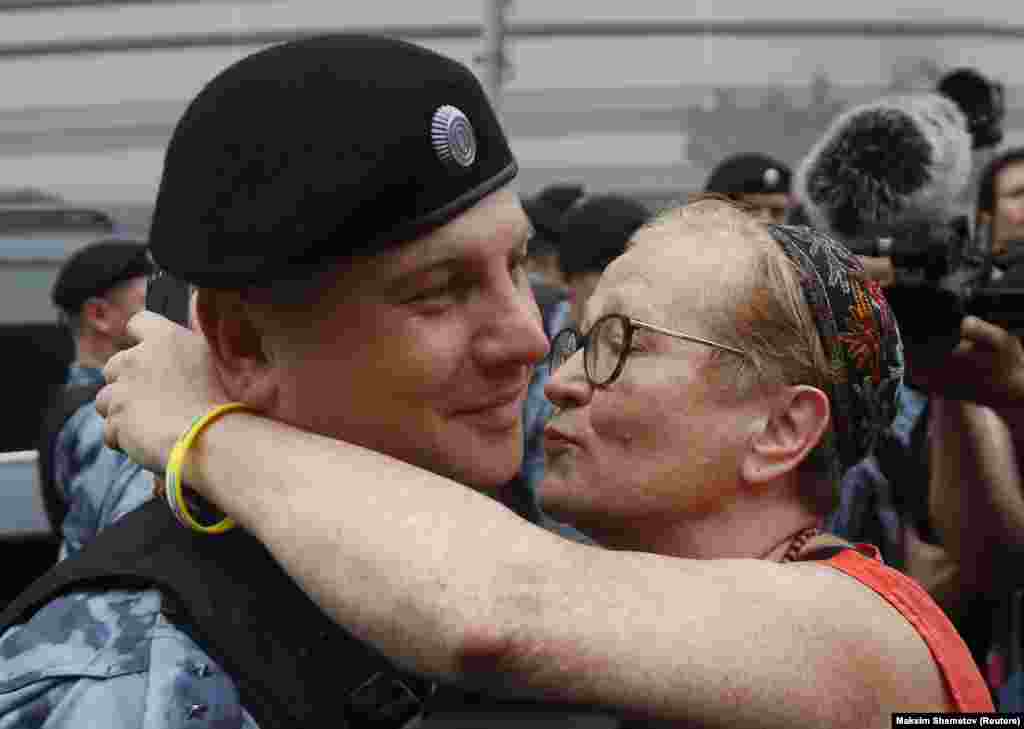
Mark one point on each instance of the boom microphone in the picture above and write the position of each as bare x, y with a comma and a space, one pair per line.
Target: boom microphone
896, 160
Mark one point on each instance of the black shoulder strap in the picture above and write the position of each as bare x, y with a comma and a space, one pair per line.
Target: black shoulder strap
65, 403
293, 666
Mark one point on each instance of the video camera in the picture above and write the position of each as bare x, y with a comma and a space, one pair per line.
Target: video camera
942, 275
885, 180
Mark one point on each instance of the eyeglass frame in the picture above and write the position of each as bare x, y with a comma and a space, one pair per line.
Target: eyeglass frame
631, 326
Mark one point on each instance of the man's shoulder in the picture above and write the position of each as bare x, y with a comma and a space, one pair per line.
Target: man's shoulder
81, 375
85, 634
99, 484
80, 440
109, 659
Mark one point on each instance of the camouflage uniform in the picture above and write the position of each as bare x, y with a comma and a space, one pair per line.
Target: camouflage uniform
112, 660
106, 659
99, 485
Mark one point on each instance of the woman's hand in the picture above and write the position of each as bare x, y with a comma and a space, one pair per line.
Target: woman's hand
156, 389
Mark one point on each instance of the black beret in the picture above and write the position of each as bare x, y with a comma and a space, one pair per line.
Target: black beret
322, 149
97, 268
596, 232
560, 197
546, 208
749, 174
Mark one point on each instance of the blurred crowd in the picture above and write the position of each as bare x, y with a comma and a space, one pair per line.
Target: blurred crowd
919, 188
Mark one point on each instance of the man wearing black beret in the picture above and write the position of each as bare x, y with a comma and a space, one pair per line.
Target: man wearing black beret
342, 206
97, 291
546, 210
596, 231
756, 180
85, 485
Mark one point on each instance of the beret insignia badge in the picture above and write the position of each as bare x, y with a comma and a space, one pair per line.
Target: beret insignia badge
453, 138
771, 177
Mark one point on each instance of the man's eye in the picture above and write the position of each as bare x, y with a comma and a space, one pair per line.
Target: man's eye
432, 294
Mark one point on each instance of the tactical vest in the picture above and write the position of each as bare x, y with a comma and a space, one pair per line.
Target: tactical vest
293, 666
66, 403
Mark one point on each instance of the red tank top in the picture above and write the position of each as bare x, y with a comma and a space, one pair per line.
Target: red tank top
966, 687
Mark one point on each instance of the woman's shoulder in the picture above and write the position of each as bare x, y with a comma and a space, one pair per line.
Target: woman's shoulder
875, 605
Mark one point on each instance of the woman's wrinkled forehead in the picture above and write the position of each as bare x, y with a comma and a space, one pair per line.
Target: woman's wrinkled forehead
667, 278
631, 295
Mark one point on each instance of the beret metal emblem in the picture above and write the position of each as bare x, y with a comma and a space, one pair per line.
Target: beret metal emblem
771, 177
452, 137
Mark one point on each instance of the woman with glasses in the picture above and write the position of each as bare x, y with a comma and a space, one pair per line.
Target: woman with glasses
727, 371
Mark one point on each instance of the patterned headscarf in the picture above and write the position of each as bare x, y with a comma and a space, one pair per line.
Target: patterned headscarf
858, 333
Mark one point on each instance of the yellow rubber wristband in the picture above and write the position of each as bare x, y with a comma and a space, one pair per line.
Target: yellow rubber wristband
175, 463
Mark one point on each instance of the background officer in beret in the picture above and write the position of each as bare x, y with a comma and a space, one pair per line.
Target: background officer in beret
546, 210
97, 291
342, 205
756, 180
87, 486
596, 231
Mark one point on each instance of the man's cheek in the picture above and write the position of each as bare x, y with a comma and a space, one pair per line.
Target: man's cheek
626, 426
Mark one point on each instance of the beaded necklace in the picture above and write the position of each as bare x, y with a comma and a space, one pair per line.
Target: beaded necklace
800, 539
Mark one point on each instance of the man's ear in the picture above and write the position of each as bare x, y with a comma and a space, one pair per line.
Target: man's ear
783, 440
98, 313
238, 346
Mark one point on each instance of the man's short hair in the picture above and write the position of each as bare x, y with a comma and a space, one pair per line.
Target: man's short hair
596, 231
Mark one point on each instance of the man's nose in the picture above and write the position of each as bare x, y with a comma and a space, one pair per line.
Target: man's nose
515, 332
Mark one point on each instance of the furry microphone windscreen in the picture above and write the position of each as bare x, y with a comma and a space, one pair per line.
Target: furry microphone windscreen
896, 160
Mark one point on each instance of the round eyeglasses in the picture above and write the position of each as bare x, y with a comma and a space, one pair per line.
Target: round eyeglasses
607, 345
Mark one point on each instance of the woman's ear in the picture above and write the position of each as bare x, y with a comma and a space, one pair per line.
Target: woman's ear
238, 344
784, 439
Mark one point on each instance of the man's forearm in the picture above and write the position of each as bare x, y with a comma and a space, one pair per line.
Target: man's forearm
390, 551
452, 584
